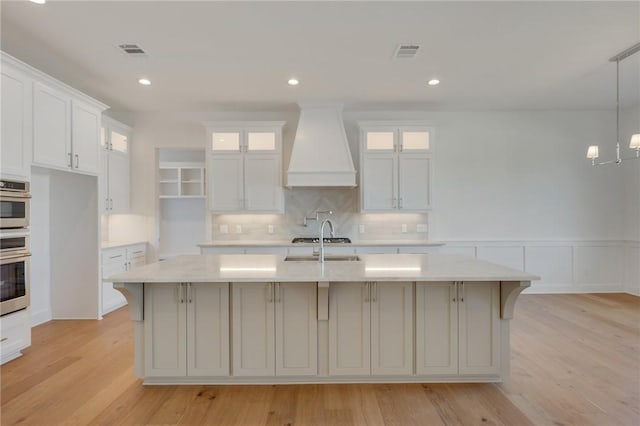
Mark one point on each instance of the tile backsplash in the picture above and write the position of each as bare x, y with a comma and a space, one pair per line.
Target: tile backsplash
301, 202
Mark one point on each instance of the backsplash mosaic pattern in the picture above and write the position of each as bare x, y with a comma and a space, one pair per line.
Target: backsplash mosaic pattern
301, 202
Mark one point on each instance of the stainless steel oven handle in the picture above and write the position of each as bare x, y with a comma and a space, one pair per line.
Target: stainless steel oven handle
15, 255
8, 195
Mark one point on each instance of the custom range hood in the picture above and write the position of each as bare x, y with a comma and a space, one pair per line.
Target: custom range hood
320, 154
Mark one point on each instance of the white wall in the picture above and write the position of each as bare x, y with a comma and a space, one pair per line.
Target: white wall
519, 175
513, 187
630, 124
64, 245
74, 246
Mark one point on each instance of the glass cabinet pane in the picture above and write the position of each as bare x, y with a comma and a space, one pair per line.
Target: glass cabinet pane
119, 142
261, 141
225, 141
379, 141
413, 141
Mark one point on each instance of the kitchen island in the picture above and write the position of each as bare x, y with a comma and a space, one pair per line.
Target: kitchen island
217, 319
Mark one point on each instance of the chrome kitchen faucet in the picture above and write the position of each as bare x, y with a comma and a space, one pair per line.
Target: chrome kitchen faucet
321, 258
317, 217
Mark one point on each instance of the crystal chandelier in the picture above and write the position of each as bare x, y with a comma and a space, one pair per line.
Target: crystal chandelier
634, 143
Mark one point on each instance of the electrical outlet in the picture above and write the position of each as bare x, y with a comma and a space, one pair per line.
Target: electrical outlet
361, 229
422, 227
404, 228
270, 229
224, 229
238, 229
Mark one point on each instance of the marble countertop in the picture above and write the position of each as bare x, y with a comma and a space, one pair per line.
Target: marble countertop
114, 244
371, 267
288, 243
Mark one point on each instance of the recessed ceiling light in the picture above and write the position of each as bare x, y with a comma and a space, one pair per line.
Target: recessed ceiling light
293, 82
39, 1
433, 82
144, 81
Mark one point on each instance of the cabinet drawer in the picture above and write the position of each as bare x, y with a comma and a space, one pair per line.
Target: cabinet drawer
136, 252
114, 255
15, 332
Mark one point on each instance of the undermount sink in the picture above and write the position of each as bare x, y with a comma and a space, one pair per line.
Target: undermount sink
327, 258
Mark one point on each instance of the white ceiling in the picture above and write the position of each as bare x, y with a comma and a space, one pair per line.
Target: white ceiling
238, 55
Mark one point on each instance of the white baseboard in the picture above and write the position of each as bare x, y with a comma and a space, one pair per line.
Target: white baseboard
41, 317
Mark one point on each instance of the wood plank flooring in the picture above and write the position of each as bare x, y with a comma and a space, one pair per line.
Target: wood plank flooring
575, 361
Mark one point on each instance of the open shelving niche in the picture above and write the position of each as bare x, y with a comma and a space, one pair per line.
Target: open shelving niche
181, 206
181, 180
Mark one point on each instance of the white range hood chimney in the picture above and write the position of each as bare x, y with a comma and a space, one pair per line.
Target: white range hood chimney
321, 155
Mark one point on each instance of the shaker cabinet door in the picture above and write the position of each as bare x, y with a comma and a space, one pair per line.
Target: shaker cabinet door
15, 124
296, 329
226, 186
165, 330
208, 329
349, 329
85, 138
263, 187
379, 182
253, 329
391, 328
51, 128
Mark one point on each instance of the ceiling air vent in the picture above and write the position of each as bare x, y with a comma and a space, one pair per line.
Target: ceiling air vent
131, 49
406, 51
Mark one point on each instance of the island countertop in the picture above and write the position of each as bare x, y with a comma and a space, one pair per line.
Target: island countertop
370, 267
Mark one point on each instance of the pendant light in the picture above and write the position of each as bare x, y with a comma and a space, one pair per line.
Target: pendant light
634, 143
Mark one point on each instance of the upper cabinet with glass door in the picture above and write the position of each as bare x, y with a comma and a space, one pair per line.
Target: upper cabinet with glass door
395, 172
245, 167
261, 139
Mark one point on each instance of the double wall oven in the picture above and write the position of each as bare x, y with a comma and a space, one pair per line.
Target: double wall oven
14, 246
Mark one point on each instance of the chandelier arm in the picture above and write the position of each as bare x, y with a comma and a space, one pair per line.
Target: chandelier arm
617, 161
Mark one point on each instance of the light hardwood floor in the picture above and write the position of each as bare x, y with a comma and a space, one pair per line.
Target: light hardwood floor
575, 361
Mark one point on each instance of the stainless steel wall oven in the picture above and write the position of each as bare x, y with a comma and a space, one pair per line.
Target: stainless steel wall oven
14, 204
14, 270
14, 246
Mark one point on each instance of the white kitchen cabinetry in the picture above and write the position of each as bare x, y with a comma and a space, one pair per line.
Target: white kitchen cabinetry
457, 328
181, 180
395, 167
66, 130
370, 328
114, 261
15, 161
186, 329
274, 329
244, 167
115, 140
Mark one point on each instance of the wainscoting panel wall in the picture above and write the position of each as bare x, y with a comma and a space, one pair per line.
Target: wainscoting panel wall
563, 266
